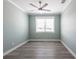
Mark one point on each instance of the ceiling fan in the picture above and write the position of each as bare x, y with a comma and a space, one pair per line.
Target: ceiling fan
41, 7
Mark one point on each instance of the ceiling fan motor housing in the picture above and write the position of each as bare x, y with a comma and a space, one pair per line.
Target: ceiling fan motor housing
39, 8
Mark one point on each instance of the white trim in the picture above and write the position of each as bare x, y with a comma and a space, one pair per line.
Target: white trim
44, 39
69, 49
16, 5
12, 49
67, 5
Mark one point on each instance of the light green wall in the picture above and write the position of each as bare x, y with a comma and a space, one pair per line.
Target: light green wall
15, 27
68, 26
44, 35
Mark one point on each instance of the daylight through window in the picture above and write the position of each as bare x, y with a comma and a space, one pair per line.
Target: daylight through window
45, 24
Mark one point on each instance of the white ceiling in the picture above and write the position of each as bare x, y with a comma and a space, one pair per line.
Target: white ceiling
54, 5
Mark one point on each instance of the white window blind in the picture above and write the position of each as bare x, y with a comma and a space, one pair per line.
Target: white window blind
45, 24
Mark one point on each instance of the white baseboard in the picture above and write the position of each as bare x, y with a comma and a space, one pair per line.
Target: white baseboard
69, 49
14, 48
44, 39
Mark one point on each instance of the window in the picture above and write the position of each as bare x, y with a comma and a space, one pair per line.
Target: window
45, 24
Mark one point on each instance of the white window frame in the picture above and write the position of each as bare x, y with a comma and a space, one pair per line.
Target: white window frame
45, 23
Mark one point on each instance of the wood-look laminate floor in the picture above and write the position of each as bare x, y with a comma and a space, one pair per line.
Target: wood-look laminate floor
40, 50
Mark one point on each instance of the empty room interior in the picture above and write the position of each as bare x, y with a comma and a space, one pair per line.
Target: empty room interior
39, 29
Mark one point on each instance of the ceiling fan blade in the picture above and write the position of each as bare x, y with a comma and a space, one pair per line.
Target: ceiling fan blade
44, 5
46, 10
33, 5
